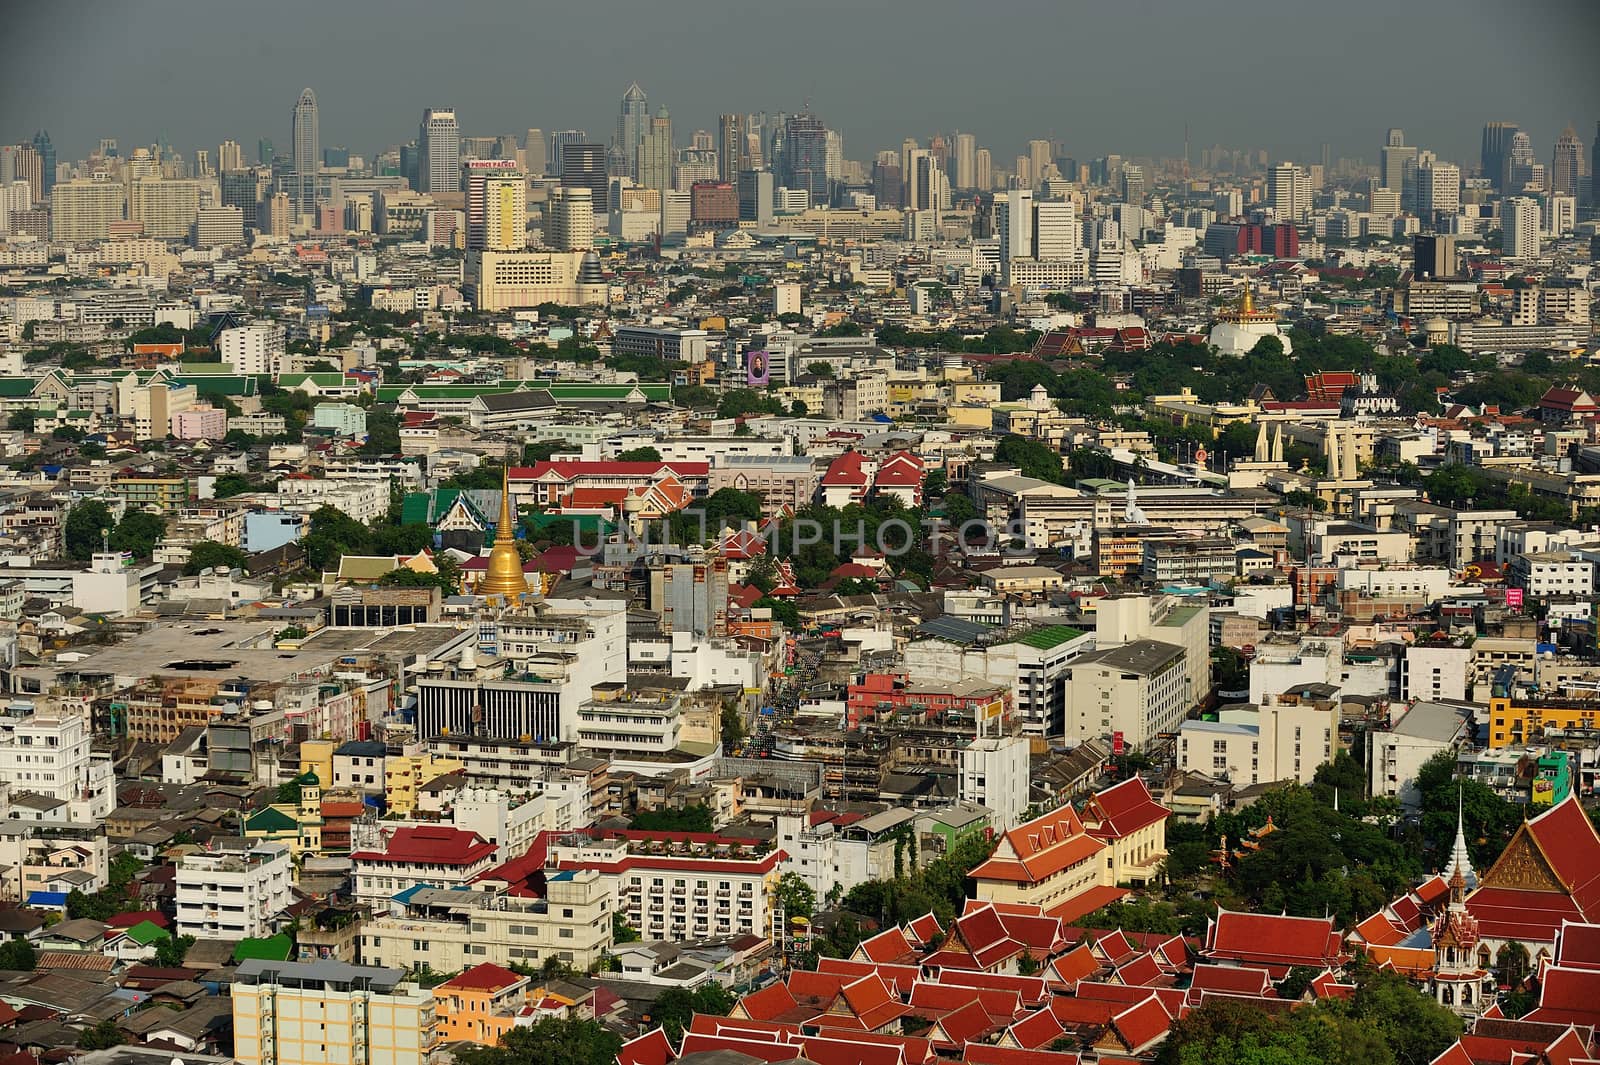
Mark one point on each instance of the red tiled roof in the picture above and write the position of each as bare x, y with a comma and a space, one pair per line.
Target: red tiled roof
959, 1026
923, 930
1273, 941
986, 1054
1122, 810
1031, 989
845, 470
890, 946
569, 469
842, 970
433, 844
1037, 1030
1231, 980
128, 920
1086, 902
1140, 972
485, 976
1077, 964
1579, 946
1144, 1025
1038, 849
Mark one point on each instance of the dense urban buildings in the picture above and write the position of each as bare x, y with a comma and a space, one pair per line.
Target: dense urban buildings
755, 585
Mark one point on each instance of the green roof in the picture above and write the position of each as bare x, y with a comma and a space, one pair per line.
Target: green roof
18, 386
223, 369
321, 380
147, 932
270, 819
219, 384
273, 948
571, 391
1049, 636
416, 508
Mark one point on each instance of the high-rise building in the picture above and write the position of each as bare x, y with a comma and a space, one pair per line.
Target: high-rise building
439, 151
918, 197
264, 151
1038, 159
336, 157
245, 190
1523, 174
82, 209
558, 143
1519, 227
652, 161
1015, 225
1133, 185
1438, 190
166, 208
805, 156
834, 155
713, 205
1566, 165
982, 170
1594, 169
633, 122
1433, 257
305, 136
1397, 155
965, 152
535, 152
756, 196
47, 162
569, 216
363, 1014
497, 205
230, 156
583, 166
21, 162
1496, 144
888, 184
1057, 234
733, 150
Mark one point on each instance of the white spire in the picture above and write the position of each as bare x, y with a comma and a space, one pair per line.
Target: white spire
1459, 858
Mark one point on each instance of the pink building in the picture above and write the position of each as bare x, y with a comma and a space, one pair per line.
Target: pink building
200, 423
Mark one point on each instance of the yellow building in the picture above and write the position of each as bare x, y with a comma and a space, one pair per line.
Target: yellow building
296, 825
1186, 408
329, 1013
406, 774
1513, 723
168, 494
316, 756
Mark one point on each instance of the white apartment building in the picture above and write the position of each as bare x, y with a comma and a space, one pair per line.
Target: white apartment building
437, 855
1542, 573
1132, 692
451, 930
45, 748
622, 724
994, 774
1435, 671
233, 895
365, 501
680, 896
329, 1013
258, 348
1260, 745
1519, 227
1396, 755
48, 856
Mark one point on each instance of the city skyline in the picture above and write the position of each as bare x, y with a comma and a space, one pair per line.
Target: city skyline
1095, 101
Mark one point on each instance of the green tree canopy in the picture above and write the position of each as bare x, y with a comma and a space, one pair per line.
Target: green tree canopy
208, 554
138, 532
551, 1041
85, 523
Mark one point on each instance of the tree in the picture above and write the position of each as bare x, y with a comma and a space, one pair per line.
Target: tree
1033, 458
1296, 982
676, 1006
640, 454
171, 950
730, 506
138, 533
86, 521
762, 573
22, 419
447, 579
552, 1041
208, 554
797, 896
820, 369
232, 484
694, 818
17, 955
102, 1036
621, 930
732, 729
383, 433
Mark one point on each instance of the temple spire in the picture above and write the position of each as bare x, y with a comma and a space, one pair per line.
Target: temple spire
1460, 860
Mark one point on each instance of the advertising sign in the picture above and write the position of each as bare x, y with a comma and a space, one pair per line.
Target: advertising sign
757, 368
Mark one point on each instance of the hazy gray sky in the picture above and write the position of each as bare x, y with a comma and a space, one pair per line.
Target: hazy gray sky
1285, 75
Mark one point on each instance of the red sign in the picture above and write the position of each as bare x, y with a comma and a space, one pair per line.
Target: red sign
1513, 598
1117, 745
491, 164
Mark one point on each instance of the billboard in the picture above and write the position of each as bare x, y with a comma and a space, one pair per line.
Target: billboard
757, 368
1513, 598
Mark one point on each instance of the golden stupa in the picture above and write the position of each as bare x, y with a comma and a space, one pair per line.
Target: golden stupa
504, 577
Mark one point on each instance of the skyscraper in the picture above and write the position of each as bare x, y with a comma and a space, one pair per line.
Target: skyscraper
558, 143
1433, 257
47, 160
1594, 168
1522, 172
1396, 156
1519, 227
982, 170
966, 148
1038, 159
1438, 190
1015, 224
535, 152
653, 156
230, 156
264, 151
497, 205
805, 156
305, 136
1496, 143
633, 122
439, 151
583, 166
1566, 165
569, 215
732, 148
